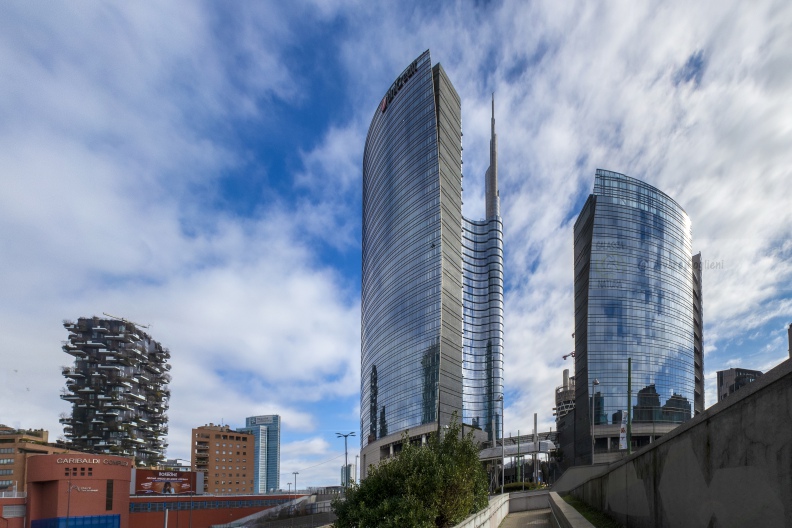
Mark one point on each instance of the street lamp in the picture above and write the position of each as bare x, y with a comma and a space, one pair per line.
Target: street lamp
295, 473
192, 486
593, 384
346, 462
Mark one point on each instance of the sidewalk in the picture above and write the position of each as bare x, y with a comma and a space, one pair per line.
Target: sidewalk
529, 519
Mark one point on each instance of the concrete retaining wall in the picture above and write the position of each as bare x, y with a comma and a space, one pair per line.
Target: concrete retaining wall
729, 467
528, 500
489, 517
577, 475
564, 515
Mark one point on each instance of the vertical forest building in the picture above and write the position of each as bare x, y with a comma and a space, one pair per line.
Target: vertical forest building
118, 388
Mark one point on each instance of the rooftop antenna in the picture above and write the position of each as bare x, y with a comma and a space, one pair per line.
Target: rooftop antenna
125, 320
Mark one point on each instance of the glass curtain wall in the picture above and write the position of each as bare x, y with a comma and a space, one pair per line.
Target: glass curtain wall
633, 298
482, 248
402, 265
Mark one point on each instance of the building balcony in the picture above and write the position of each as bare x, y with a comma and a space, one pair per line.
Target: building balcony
76, 352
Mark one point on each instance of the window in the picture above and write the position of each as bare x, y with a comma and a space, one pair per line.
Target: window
7, 450
109, 495
6, 460
6, 471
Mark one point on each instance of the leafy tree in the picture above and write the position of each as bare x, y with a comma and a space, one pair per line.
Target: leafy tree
437, 485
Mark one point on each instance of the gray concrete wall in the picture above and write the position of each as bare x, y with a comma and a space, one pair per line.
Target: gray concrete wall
491, 516
528, 500
577, 475
729, 467
565, 516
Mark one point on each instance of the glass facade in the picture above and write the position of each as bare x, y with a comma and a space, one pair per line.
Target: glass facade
633, 298
482, 250
414, 360
266, 435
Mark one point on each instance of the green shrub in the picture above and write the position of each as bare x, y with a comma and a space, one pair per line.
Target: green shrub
437, 485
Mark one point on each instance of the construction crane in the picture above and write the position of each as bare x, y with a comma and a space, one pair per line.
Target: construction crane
130, 322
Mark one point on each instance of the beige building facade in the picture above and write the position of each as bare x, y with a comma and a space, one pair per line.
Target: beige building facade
225, 457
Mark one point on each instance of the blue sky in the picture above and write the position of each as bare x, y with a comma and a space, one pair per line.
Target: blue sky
197, 167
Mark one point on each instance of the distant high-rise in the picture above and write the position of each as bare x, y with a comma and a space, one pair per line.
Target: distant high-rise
266, 431
348, 473
733, 379
432, 285
118, 388
635, 297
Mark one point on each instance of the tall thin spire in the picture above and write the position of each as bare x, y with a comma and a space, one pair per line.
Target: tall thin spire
491, 178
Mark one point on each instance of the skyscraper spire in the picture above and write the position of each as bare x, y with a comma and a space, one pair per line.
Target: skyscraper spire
491, 179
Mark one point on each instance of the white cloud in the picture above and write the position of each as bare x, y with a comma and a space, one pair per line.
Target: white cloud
117, 131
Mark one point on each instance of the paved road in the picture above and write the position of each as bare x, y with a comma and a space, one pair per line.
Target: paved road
527, 519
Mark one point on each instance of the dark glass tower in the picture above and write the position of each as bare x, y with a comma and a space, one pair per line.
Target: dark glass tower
634, 297
431, 344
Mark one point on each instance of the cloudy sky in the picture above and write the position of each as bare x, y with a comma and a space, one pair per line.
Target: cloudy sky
196, 166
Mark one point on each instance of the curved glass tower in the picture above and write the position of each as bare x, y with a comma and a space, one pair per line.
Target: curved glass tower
482, 260
426, 326
634, 298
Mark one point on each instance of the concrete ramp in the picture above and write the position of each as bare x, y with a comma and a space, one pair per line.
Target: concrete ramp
577, 475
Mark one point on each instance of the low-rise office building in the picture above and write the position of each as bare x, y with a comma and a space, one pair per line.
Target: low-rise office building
16, 446
81, 490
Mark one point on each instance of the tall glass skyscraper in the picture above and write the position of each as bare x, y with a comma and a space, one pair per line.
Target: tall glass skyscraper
432, 281
266, 433
637, 296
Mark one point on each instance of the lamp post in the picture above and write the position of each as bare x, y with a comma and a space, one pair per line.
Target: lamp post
593, 384
293, 510
192, 484
346, 462
68, 503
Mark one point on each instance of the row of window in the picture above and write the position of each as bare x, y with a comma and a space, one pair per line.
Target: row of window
137, 507
72, 472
